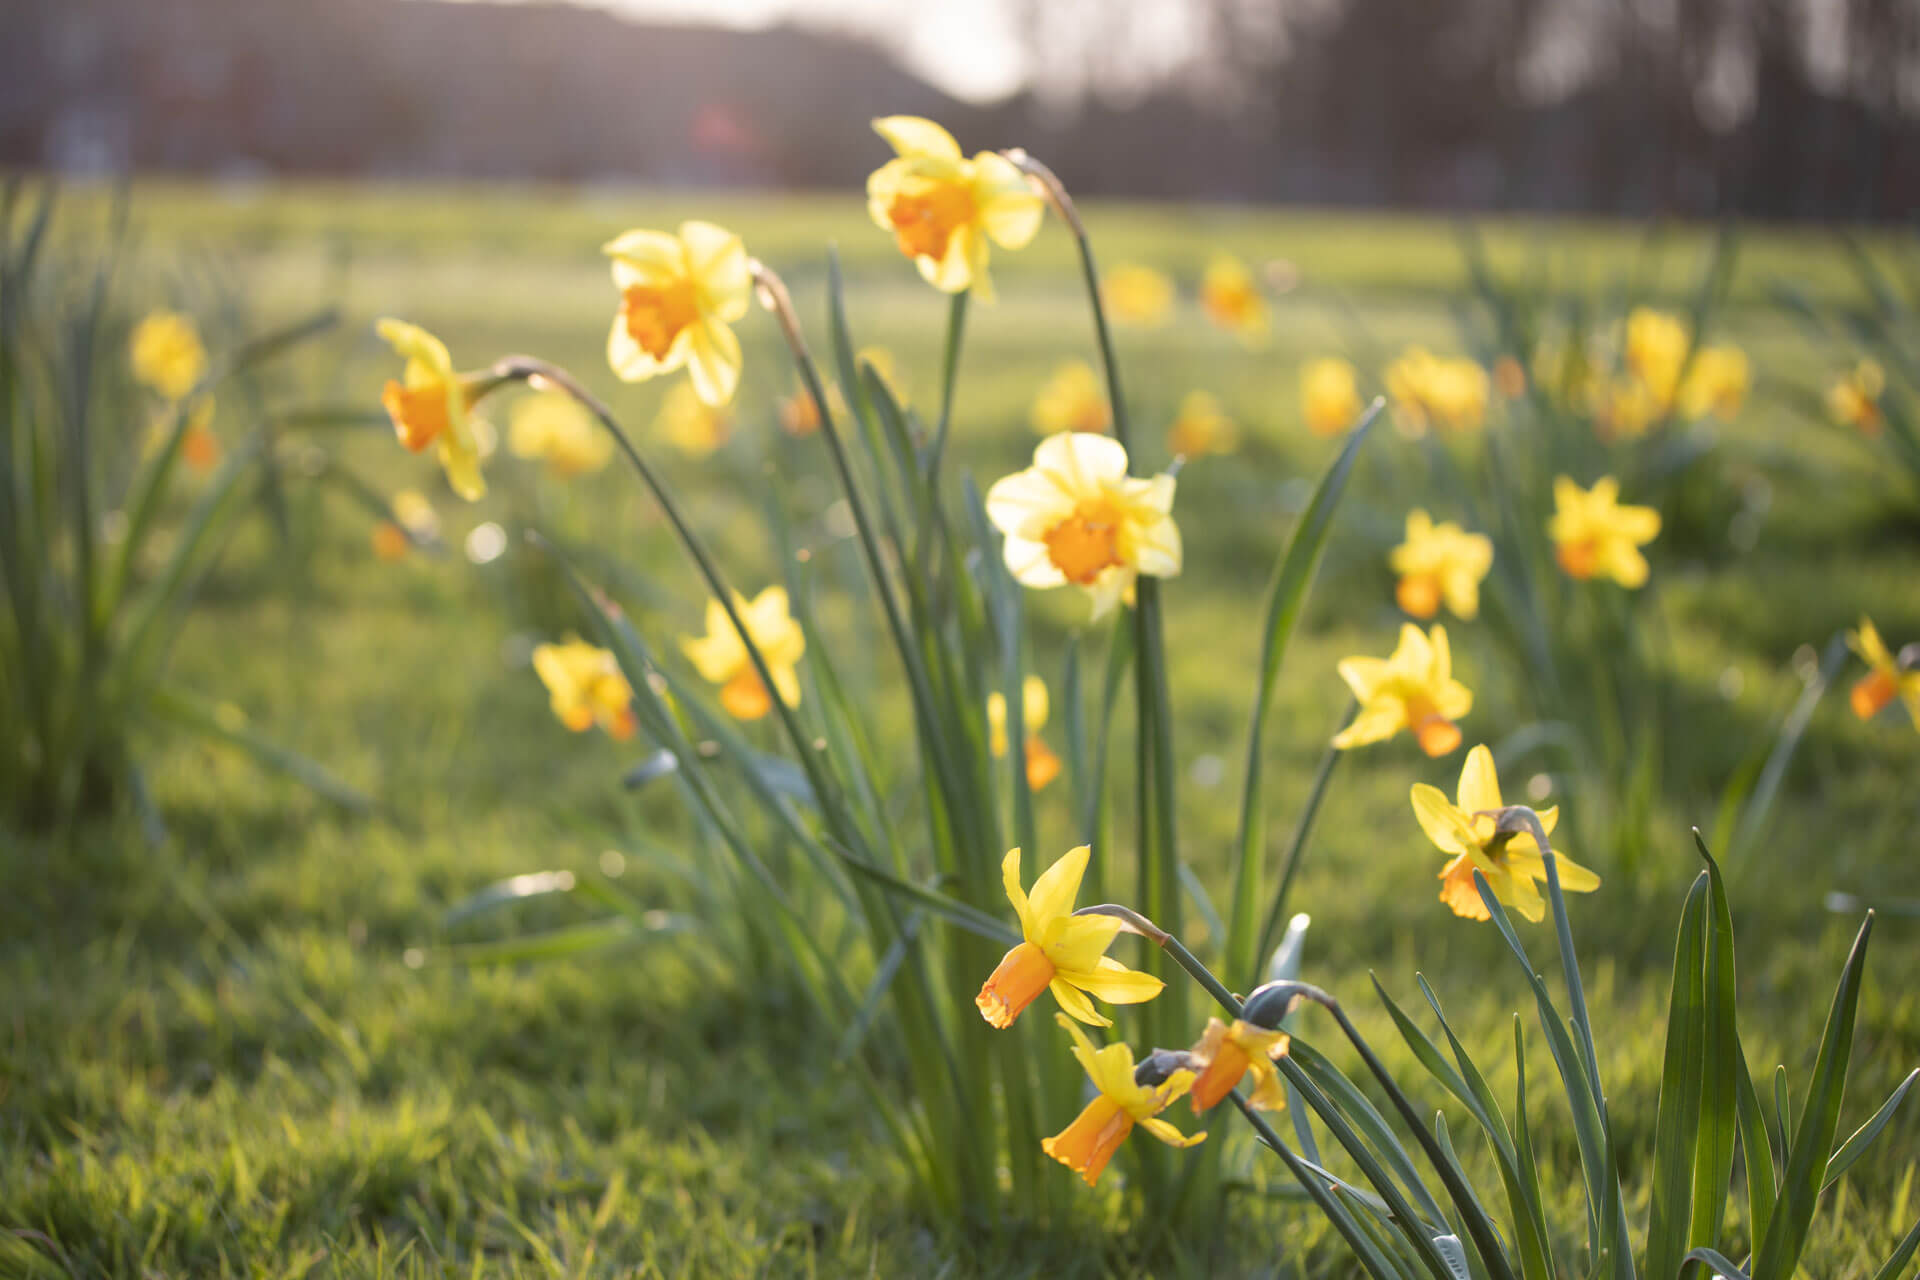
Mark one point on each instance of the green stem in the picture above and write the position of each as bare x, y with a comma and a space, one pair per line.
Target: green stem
1291, 866
949, 371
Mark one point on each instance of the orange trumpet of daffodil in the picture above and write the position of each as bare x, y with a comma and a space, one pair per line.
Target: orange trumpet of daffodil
1413, 688
721, 656
1043, 766
1511, 862
1230, 1050
1202, 427
680, 293
1595, 537
1854, 398
1232, 299
1062, 952
1123, 1100
943, 208
585, 687
1888, 676
430, 403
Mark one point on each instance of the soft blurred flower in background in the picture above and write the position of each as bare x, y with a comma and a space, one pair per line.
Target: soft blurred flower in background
679, 296
585, 687
721, 656
691, 425
1138, 295
1428, 390
1440, 562
1071, 399
430, 403
1511, 862
1412, 688
553, 427
943, 208
1595, 537
166, 354
1716, 383
1043, 766
1853, 399
1202, 426
1231, 297
1329, 395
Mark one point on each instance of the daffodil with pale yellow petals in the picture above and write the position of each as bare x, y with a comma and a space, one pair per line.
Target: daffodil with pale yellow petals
1072, 399
1076, 516
1595, 537
1137, 295
1329, 396
1062, 952
431, 404
1854, 398
166, 354
1232, 299
1440, 562
1229, 1051
721, 656
553, 427
1512, 863
1716, 383
680, 293
1413, 689
1201, 427
585, 687
690, 424
1043, 766
943, 208
1888, 676
1120, 1103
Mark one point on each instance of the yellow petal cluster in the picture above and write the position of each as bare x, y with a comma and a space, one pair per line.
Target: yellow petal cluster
1137, 295
1119, 1103
1072, 399
943, 208
1717, 383
721, 656
1853, 399
1595, 537
1329, 396
553, 427
585, 687
166, 354
1440, 562
680, 293
1887, 676
1512, 864
1412, 688
1232, 299
1228, 1051
430, 404
1449, 392
1201, 427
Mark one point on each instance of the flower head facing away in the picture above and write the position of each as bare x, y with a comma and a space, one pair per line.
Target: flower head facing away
1440, 562
1595, 537
1072, 399
943, 208
1076, 516
585, 687
554, 428
1202, 427
721, 656
1716, 383
1428, 390
1889, 676
1511, 862
1043, 766
690, 424
1853, 400
1137, 295
1062, 952
1230, 1050
1412, 688
430, 404
1231, 297
1122, 1101
680, 293
1329, 396
166, 354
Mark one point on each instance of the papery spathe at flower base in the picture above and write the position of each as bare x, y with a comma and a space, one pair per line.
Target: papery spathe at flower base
1440, 562
1329, 396
585, 687
680, 293
1120, 1103
1042, 764
1412, 689
1202, 427
1136, 294
943, 209
1231, 297
1228, 1051
431, 403
1889, 676
690, 424
1853, 399
1076, 516
1594, 536
1071, 399
1512, 863
721, 656
1061, 952
166, 354
553, 427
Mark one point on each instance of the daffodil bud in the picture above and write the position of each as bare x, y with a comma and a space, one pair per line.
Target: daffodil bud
1909, 656
1271, 1003
1154, 1069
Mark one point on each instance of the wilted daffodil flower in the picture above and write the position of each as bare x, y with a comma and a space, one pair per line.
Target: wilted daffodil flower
679, 295
431, 403
1136, 294
166, 354
721, 657
1076, 516
1229, 1050
1063, 952
1071, 400
1232, 299
1854, 398
1043, 766
1716, 383
553, 427
1440, 562
1595, 537
1202, 427
943, 208
1128, 1095
1411, 689
1888, 676
1510, 861
1329, 396
691, 425
585, 687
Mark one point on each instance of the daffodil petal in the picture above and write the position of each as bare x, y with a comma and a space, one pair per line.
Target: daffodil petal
1076, 1005
1010, 878
915, 136
1479, 784
1444, 824
1168, 1134
713, 362
1053, 893
1114, 982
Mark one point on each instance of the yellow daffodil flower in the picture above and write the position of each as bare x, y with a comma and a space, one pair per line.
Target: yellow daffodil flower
1076, 516
1440, 562
679, 296
1628, 409
1716, 383
554, 427
167, 355
1228, 1051
943, 208
1232, 299
1063, 953
1411, 689
1510, 377
721, 657
1137, 295
1512, 864
1429, 390
1329, 396
800, 416
1595, 537
1043, 766
390, 541
1854, 398
414, 519
1202, 427
1086, 1145
1656, 347
585, 687
691, 425
1888, 677
431, 403
1073, 399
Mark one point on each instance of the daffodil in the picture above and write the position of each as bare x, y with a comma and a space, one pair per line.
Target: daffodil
1231, 297
680, 293
943, 208
553, 427
167, 355
1888, 676
1854, 398
1062, 952
390, 541
800, 416
1430, 390
1412, 689
585, 687
1329, 396
1229, 1050
431, 403
1202, 426
1123, 1100
1440, 562
1511, 862
1510, 377
1043, 766
690, 424
1716, 383
1072, 399
1076, 516
414, 512
1628, 409
1656, 348
1595, 537
1138, 295
721, 656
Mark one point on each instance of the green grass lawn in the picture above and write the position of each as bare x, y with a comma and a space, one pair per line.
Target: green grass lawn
222, 1055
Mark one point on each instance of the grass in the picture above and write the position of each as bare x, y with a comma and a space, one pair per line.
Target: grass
220, 1057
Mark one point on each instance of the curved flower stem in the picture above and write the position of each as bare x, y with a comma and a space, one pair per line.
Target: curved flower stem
1132, 921
949, 371
1335, 1212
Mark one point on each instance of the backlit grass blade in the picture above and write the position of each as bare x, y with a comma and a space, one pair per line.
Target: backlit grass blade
1704, 1257
1756, 1148
1676, 1130
1856, 1146
190, 712
1720, 1060
1368, 1121
1901, 1256
556, 944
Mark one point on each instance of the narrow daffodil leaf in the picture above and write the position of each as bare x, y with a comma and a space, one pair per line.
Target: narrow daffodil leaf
1676, 1130
1856, 1146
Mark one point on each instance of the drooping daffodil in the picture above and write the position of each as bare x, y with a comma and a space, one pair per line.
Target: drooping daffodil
1511, 861
431, 404
585, 687
1123, 1099
1413, 689
1228, 1051
721, 656
1889, 675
